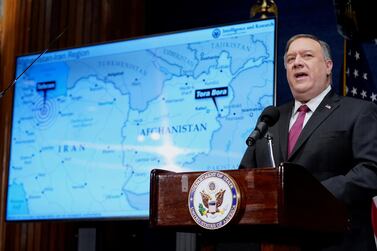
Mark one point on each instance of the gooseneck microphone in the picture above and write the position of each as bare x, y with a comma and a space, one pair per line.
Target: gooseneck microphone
268, 118
3, 92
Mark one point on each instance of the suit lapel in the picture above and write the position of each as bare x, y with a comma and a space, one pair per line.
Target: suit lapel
327, 106
286, 113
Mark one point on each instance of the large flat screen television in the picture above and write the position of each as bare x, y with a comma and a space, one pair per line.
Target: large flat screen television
90, 123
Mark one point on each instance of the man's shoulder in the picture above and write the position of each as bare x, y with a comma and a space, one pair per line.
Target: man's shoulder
356, 103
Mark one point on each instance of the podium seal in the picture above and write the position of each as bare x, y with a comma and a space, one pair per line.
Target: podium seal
213, 200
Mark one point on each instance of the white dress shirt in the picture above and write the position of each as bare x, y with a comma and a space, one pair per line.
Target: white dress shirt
312, 104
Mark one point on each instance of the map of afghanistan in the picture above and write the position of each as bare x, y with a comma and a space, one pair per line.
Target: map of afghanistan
90, 130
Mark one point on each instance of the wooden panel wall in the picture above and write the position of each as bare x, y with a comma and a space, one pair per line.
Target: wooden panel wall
29, 26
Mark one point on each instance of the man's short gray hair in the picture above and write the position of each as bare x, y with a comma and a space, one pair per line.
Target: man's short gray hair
325, 47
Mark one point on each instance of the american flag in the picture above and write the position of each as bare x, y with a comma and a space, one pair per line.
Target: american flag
359, 78
359, 82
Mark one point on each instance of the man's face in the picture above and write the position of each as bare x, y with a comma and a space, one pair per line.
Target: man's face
308, 72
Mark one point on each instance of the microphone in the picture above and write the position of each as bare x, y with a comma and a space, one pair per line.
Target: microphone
3, 92
268, 118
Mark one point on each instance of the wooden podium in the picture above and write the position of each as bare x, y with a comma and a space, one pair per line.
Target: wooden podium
282, 208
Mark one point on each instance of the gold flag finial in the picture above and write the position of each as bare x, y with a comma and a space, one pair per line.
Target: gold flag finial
264, 9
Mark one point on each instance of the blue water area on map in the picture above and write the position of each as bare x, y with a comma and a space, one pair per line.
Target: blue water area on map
17, 204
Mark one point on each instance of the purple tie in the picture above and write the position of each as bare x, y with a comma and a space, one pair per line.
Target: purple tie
296, 128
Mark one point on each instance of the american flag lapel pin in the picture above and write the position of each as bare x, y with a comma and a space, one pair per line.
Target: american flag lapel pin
328, 106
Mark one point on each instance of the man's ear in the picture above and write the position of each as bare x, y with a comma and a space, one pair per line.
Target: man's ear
329, 65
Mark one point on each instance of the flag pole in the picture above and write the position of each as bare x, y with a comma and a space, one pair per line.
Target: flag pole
345, 67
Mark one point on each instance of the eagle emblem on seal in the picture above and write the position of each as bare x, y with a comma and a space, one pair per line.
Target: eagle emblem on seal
212, 203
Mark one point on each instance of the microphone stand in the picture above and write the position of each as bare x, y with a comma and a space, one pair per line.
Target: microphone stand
270, 152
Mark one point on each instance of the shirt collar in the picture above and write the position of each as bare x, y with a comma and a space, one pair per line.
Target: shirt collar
314, 102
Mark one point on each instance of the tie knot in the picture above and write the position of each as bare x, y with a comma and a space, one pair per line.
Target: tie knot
303, 108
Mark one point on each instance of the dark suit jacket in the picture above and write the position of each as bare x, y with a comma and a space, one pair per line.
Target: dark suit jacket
338, 145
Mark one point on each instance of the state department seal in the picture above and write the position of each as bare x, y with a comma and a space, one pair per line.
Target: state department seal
216, 33
213, 200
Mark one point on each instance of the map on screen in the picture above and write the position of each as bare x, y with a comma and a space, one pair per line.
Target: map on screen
90, 123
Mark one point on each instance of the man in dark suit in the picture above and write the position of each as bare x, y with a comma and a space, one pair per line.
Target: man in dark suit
334, 137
